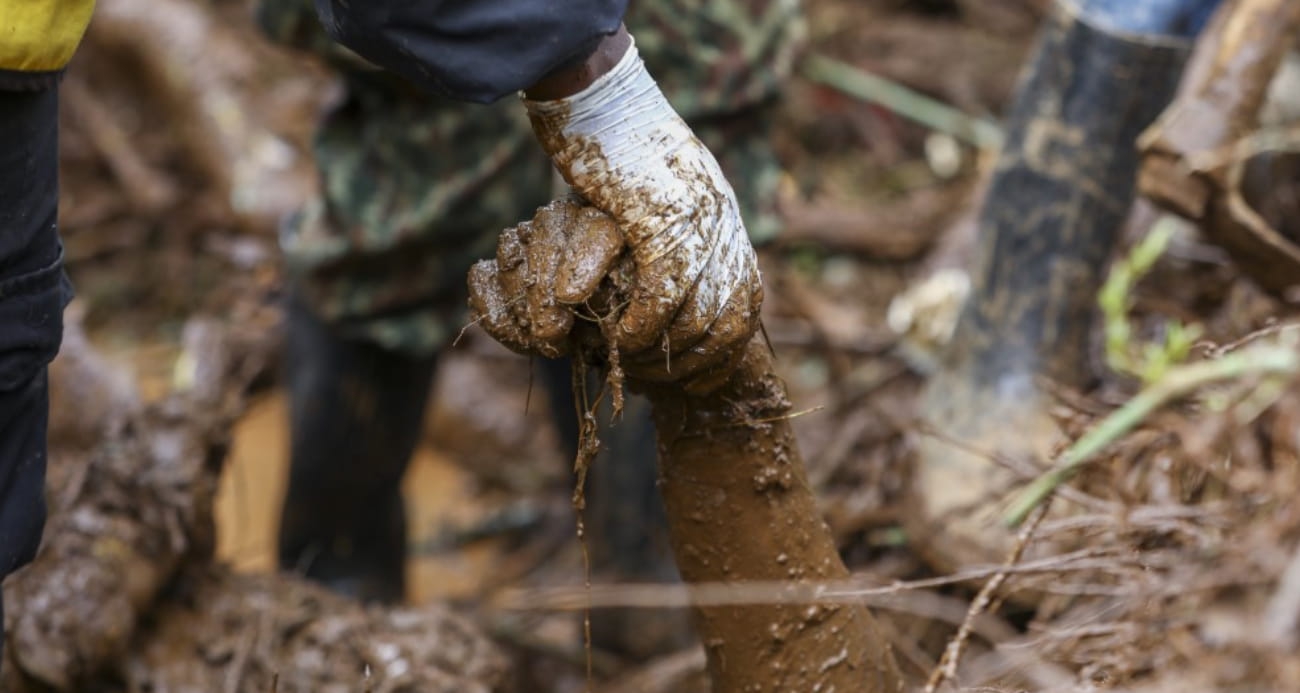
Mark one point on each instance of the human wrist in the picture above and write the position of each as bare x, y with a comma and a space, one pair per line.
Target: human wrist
621, 128
627, 151
577, 76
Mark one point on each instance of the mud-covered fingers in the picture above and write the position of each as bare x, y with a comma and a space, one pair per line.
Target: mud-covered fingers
512, 260
566, 249
549, 323
688, 328
720, 309
734, 331
511, 278
491, 307
569, 249
662, 288
650, 309
527, 256
594, 244
706, 363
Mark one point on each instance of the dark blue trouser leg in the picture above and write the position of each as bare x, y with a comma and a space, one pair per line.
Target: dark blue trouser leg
23, 415
356, 411
33, 291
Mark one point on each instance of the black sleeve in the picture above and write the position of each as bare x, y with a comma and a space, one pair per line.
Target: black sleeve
475, 50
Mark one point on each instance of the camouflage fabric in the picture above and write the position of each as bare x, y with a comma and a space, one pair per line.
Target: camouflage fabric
415, 188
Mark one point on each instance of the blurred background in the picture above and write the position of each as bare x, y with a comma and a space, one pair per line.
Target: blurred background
186, 137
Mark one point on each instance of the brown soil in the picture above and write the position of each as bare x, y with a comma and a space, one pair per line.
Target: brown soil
223, 631
1188, 526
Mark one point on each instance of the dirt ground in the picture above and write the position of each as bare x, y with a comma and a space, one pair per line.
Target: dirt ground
1178, 572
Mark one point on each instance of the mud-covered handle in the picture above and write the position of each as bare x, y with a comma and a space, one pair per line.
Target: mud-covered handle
740, 510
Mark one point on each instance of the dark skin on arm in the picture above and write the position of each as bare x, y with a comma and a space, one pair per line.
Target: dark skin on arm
572, 79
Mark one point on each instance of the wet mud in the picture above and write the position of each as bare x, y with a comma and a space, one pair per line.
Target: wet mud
125, 521
740, 509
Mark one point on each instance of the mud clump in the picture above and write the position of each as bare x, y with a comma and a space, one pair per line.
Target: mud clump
545, 268
140, 507
564, 282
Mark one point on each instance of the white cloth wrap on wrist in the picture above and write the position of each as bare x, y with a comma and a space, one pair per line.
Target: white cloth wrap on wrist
622, 145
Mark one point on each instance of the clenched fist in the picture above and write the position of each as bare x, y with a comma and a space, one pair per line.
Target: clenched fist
545, 270
565, 278
688, 289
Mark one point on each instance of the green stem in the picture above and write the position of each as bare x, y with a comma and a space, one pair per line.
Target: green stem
1178, 381
908, 103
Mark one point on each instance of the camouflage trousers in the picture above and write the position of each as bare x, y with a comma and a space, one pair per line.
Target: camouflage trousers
414, 189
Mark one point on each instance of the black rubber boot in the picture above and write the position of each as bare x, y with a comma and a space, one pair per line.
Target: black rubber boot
355, 415
1063, 186
625, 519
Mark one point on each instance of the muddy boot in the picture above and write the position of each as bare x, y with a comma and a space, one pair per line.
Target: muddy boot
1062, 187
355, 415
627, 529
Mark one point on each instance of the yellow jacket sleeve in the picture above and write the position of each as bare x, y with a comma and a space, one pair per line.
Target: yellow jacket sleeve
38, 37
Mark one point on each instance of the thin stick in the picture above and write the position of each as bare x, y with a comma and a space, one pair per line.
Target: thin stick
847, 591
947, 668
464, 328
1283, 612
235, 675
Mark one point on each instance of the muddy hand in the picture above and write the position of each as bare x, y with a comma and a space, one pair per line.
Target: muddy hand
544, 268
694, 295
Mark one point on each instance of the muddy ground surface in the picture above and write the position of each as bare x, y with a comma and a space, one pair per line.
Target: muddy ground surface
1177, 570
